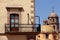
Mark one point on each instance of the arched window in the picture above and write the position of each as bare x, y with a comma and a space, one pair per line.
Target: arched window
54, 27
53, 20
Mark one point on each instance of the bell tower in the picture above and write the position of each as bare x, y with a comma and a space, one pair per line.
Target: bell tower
53, 20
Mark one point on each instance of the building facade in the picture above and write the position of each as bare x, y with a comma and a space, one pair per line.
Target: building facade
17, 20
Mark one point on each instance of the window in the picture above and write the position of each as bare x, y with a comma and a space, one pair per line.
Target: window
54, 27
39, 36
14, 18
14, 22
53, 20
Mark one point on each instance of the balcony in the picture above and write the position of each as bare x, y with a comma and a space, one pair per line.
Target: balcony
22, 29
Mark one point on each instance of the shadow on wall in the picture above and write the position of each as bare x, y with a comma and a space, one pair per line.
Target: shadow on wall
13, 37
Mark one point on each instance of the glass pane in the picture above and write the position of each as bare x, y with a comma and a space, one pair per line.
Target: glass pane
16, 25
12, 25
16, 20
16, 16
12, 20
12, 16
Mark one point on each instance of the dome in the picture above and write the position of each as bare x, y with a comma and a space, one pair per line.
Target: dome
47, 29
53, 14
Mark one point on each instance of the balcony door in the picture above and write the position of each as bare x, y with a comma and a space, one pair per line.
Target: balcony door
14, 22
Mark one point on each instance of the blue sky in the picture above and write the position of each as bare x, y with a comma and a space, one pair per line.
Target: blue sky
44, 7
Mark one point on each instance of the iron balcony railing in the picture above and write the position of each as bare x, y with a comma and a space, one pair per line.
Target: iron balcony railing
22, 28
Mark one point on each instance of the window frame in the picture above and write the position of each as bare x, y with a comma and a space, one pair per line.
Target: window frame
14, 20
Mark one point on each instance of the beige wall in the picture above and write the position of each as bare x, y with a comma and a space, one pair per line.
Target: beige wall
13, 37
43, 37
27, 6
51, 37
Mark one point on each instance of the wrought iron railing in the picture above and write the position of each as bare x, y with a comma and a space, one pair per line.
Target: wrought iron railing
22, 28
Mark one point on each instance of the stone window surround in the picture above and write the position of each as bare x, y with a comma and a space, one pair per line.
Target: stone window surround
20, 9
